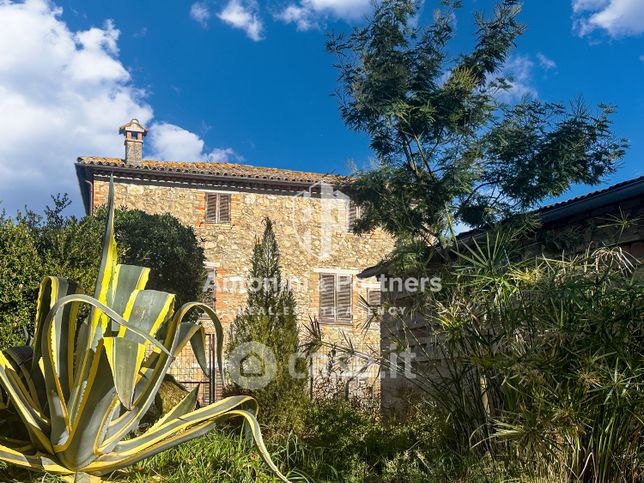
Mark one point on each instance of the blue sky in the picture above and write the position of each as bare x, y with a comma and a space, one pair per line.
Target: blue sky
251, 82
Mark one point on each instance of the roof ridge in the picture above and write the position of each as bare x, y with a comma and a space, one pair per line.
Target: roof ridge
202, 163
228, 170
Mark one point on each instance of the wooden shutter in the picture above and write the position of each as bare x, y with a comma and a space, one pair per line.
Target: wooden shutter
224, 208
351, 216
344, 302
327, 297
211, 208
217, 208
374, 297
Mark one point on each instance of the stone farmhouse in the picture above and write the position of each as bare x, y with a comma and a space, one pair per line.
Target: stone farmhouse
226, 204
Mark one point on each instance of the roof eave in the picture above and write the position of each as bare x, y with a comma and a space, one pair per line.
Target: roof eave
83, 184
615, 195
90, 168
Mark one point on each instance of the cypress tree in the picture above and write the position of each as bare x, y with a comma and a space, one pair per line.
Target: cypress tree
270, 319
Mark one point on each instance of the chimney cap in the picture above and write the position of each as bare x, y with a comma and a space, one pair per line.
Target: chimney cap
133, 126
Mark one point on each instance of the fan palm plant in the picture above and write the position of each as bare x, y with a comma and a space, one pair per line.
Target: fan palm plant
80, 389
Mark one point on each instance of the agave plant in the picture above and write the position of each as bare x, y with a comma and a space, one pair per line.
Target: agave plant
81, 387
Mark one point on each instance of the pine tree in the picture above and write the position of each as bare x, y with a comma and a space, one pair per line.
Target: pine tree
270, 319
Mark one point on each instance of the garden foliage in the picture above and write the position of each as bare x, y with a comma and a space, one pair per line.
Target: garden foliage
540, 360
32, 246
72, 400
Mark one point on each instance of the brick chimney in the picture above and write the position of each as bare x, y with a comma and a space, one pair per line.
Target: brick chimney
133, 132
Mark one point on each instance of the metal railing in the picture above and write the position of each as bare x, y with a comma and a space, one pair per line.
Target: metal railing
187, 372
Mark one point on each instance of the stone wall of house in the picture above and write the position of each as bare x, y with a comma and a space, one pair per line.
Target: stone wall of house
308, 245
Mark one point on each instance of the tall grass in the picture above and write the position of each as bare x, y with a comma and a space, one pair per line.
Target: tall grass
535, 363
541, 360
219, 456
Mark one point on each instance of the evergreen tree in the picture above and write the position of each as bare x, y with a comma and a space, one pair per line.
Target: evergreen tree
270, 319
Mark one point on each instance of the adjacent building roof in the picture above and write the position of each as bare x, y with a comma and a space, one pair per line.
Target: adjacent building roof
558, 212
87, 167
561, 210
613, 194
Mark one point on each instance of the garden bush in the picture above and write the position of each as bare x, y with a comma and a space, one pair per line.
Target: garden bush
541, 359
33, 245
20, 274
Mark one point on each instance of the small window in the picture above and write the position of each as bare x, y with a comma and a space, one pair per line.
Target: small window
336, 298
353, 214
217, 208
374, 297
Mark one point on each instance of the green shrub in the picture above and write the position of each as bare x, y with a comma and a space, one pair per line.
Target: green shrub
20, 275
32, 246
342, 442
170, 249
541, 360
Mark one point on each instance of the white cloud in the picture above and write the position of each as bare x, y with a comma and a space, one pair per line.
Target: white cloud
619, 18
307, 14
244, 16
223, 155
300, 16
518, 72
63, 94
519, 69
200, 12
582, 5
546, 62
168, 142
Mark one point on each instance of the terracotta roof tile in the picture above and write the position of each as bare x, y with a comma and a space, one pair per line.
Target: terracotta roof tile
216, 169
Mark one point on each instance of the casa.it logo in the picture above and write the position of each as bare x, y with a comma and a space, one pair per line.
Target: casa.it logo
315, 212
251, 365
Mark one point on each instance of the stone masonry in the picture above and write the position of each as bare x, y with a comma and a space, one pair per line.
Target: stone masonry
298, 227
228, 247
310, 215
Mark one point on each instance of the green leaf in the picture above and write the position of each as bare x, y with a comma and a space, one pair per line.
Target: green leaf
123, 355
198, 344
183, 407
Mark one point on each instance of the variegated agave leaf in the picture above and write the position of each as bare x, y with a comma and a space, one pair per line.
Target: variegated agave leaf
81, 388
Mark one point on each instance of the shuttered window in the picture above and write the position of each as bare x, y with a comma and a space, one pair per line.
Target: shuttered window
327, 298
343, 298
217, 208
336, 298
224, 208
353, 214
374, 297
